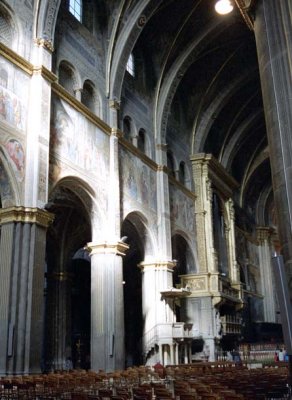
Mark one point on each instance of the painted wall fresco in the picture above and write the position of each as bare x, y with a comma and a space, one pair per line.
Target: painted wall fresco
138, 182
79, 149
79, 142
13, 96
181, 209
5, 188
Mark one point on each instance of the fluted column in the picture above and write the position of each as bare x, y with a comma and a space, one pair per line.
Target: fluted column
234, 270
267, 277
107, 306
22, 254
203, 214
273, 33
156, 277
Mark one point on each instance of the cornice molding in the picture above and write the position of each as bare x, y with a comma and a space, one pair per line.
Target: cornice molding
64, 95
16, 59
219, 177
159, 264
26, 215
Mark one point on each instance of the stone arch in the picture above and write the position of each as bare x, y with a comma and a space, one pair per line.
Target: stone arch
135, 233
122, 45
9, 27
183, 254
68, 272
166, 92
46, 12
201, 130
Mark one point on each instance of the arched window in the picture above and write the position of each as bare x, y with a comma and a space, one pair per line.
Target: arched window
6, 30
87, 96
127, 128
75, 8
66, 77
182, 173
130, 67
141, 140
170, 163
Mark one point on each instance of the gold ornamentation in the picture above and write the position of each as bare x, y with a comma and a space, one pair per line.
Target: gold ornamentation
26, 215
47, 44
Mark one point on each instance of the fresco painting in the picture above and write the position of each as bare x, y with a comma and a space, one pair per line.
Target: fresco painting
77, 140
5, 189
181, 209
139, 181
16, 155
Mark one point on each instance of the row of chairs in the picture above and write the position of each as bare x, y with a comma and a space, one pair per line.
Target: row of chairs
207, 381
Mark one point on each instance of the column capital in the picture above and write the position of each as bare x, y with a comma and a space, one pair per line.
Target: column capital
114, 103
27, 215
159, 264
162, 146
117, 133
45, 43
117, 248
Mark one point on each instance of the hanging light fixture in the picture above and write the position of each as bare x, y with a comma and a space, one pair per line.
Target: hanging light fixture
223, 7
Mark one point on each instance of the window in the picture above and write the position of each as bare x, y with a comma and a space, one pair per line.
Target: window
130, 65
75, 8
141, 140
181, 173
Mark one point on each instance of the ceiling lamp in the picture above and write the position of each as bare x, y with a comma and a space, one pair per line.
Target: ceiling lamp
223, 7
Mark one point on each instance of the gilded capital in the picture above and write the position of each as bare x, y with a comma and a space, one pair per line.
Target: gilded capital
114, 103
26, 215
264, 233
117, 248
116, 132
47, 44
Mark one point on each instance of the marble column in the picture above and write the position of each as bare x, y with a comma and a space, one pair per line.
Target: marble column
22, 253
107, 306
156, 277
273, 34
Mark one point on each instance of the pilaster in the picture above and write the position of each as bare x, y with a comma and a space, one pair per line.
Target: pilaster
38, 125
107, 305
163, 205
22, 253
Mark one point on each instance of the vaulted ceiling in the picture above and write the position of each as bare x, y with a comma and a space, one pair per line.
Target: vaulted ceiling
203, 76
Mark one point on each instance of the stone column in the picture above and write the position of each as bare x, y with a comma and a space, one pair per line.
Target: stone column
273, 33
267, 279
22, 253
156, 277
107, 306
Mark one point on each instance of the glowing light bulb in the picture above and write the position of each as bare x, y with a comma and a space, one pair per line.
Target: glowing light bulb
223, 7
